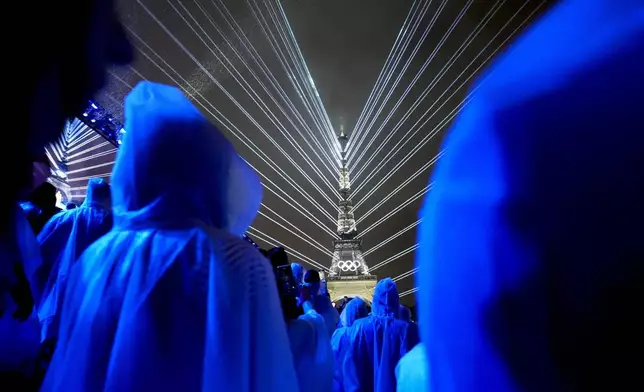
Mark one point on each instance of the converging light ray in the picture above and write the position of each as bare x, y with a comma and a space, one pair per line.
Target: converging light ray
221, 117
283, 59
394, 211
232, 129
319, 102
239, 78
395, 62
385, 68
404, 140
273, 242
266, 73
405, 275
395, 257
437, 78
411, 84
402, 72
391, 238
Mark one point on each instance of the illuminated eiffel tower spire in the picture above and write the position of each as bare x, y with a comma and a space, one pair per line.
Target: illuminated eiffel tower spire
347, 251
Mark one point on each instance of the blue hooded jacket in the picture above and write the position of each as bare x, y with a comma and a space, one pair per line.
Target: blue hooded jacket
62, 241
530, 261
353, 311
376, 343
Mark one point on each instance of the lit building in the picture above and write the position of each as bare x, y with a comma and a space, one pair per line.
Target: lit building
349, 274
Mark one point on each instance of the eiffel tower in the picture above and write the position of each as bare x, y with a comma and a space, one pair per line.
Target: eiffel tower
349, 274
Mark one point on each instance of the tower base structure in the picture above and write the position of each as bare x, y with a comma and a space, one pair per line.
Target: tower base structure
351, 286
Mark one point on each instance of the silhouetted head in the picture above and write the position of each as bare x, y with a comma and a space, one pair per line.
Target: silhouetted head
176, 169
44, 196
386, 301
98, 193
353, 310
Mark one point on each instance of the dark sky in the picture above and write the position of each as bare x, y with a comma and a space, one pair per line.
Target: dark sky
345, 44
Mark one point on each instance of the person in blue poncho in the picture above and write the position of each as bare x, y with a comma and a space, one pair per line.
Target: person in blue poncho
320, 301
173, 298
530, 266
62, 241
376, 343
404, 313
354, 310
298, 272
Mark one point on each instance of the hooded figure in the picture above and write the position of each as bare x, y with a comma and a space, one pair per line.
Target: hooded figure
412, 372
298, 272
19, 327
321, 301
310, 340
376, 343
543, 181
404, 313
173, 298
41, 206
354, 310
62, 241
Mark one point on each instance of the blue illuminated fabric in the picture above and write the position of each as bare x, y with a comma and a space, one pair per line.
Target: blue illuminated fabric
353, 310
404, 313
298, 272
329, 313
19, 340
309, 342
376, 343
412, 372
62, 241
530, 258
173, 298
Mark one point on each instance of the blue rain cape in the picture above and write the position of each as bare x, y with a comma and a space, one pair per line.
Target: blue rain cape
309, 342
172, 298
530, 261
376, 343
298, 272
62, 241
19, 340
412, 372
325, 308
404, 313
353, 310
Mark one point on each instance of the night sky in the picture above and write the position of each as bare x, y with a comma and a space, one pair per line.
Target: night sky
345, 44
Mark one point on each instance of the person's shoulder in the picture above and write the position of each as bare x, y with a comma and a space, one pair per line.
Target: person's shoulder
359, 325
242, 263
238, 251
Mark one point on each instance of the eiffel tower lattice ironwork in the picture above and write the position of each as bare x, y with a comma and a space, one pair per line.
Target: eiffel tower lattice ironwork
347, 250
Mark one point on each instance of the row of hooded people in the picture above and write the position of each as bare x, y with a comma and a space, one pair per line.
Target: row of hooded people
543, 296
79, 305
384, 332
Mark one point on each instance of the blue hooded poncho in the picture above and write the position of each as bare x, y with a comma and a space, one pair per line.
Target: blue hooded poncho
172, 298
298, 272
62, 241
531, 247
353, 310
376, 343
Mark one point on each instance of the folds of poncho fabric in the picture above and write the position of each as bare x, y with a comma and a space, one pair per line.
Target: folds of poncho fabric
376, 343
172, 298
19, 340
412, 371
62, 241
530, 260
309, 341
354, 310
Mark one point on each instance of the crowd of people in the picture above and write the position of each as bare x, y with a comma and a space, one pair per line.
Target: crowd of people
530, 273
